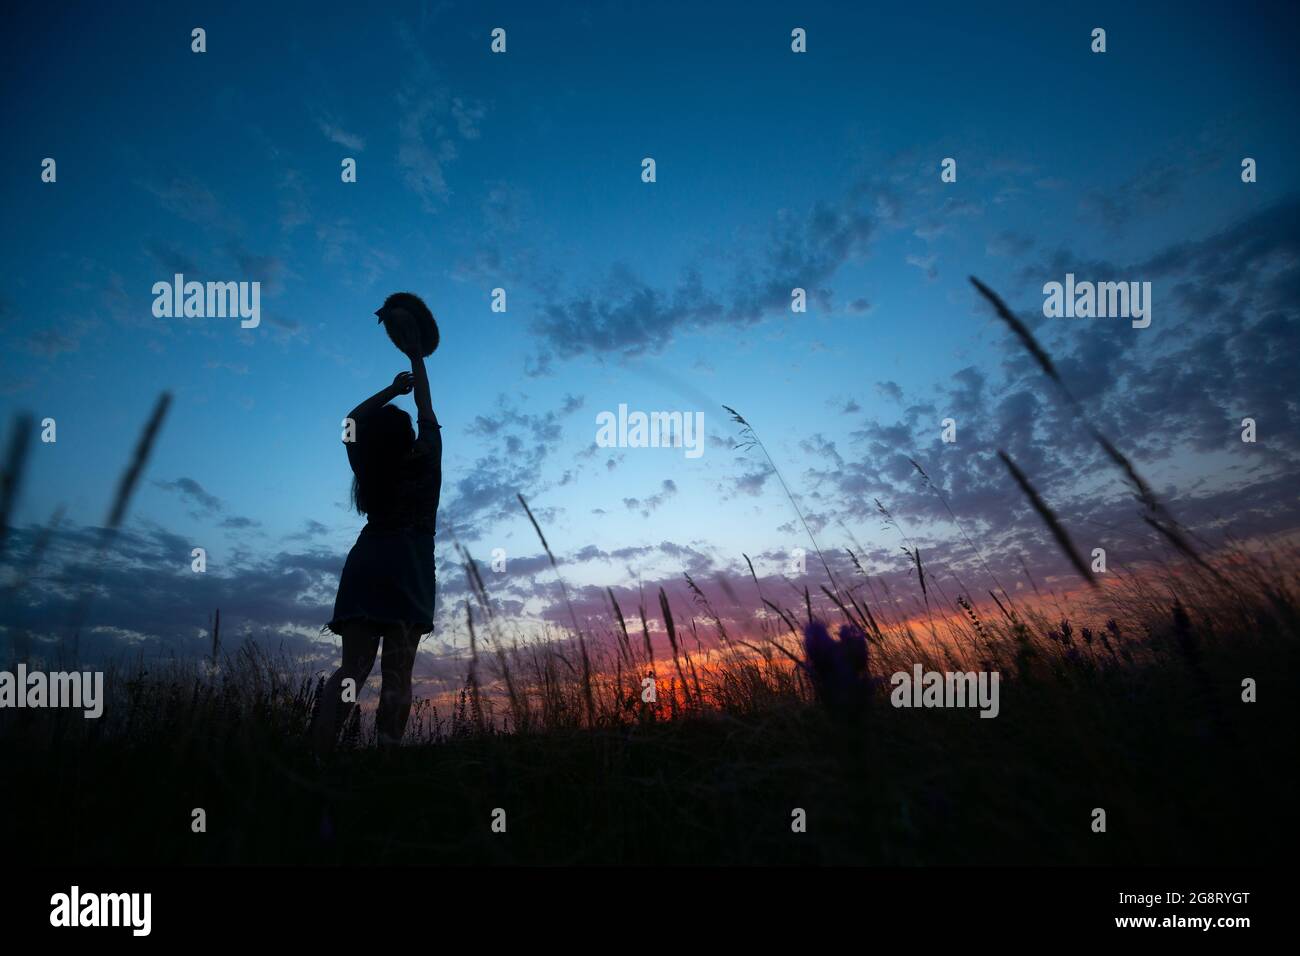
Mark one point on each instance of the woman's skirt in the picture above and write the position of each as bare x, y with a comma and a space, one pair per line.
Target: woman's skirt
388, 578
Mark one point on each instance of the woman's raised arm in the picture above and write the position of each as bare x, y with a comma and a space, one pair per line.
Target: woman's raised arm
423, 404
402, 384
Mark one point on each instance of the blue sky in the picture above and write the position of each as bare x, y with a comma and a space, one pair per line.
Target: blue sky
523, 171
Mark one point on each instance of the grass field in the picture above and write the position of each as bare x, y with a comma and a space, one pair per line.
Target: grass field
1144, 719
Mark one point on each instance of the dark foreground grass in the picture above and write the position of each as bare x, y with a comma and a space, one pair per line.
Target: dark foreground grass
1187, 773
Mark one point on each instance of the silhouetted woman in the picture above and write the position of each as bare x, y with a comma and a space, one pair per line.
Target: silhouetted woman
387, 588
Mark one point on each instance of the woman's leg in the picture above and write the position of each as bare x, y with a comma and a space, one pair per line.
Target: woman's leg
398, 659
360, 644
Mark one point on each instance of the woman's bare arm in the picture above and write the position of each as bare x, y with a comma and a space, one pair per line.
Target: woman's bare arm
401, 385
423, 404
406, 339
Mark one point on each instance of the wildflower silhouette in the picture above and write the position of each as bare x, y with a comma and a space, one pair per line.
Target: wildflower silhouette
837, 668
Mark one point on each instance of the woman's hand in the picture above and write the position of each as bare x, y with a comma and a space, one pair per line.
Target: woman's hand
403, 382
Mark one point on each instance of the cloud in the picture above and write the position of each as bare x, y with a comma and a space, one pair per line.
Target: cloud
627, 316
519, 443
468, 116
264, 269
206, 505
295, 209
1153, 188
149, 601
936, 223
503, 207
1147, 191
652, 502
53, 342
925, 264
1009, 243
356, 261
433, 122
422, 161
237, 523
752, 482
171, 259
310, 529
191, 200
191, 491
336, 134
1225, 336
890, 390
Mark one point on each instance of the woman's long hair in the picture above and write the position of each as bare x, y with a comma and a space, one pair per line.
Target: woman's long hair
383, 439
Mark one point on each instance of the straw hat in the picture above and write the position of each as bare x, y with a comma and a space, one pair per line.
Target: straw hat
417, 313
